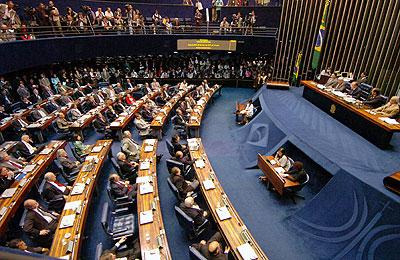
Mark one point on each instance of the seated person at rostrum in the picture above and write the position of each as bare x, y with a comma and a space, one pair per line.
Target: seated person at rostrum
375, 99
391, 109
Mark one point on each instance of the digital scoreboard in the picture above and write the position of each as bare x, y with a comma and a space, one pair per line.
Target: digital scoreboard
206, 45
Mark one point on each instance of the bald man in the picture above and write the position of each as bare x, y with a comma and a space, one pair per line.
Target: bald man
40, 223
179, 157
194, 211
212, 249
26, 148
54, 192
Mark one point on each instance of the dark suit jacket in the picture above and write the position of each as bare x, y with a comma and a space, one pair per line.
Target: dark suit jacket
179, 120
195, 214
356, 93
118, 190
68, 165
181, 185
127, 170
34, 223
99, 125
299, 176
35, 115
111, 116
5, 183
23, 150
52, 193
204, 248
375, 102
119, 108
50, 107
3, 115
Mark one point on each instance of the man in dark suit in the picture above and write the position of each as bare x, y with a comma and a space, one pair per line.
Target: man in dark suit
129, 253
375, 100
39, 222
128, 169
19, 123
111, 114
355, 90
194, 211
54, 192
184, 187
67, 164
212, 249
3, 114
6, 178
296, 173
21, 245
147, 113
38, 113
51, 106
101, 125
179, 157
179, 119
11, 163
25, 148
120, 188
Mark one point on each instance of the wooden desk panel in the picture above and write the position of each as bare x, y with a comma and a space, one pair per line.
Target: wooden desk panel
41, 161
234, 230
159, 119
279, 183
358, 119
8, 146
149, 233
60, 242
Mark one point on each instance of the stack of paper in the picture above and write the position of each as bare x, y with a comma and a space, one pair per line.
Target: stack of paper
144, 166
73, 205
388, 120
67, 221
223, 213
146, 188
150, 141
272, 161
29, 168
143, 179
97, 149
208, 185
152, 254
78, 188
200, 163
247, 252
8, 193
116, 123
146, 217
46, 151
279, 170
148, 148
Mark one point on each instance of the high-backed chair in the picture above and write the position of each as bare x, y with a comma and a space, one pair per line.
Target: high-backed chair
119, 202
117, 223
293, 192
69, 177
195, 254
187, 223
116, 166
185, 170
170, 148
174, 189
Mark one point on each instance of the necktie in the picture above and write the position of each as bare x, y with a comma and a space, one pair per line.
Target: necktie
17, 165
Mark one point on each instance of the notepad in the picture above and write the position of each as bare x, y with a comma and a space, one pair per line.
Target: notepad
223, 213
146, 188
148, 148
143, 179
34, 125
388, 120
208, 184
144, 166
90, 158
272, 161
29, 168
8, 193
150, 141
247, 252
146, 217
78, 189
153, 254
3, 211
114, 124
279, 170
67, 221
200, 163
73, 205
97, 149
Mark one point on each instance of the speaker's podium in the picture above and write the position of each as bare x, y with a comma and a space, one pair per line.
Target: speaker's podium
278, 85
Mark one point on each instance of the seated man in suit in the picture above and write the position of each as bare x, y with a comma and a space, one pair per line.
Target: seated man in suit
146, 112
121, 188
212, 249
142, 126
51, 106
332, 81
110, 113
6, 178
62, 123
3, 113
11, 163
74, 113
26, 149
184, 187
53, 190
355, 90
40, 222
119, 107
175, 141
130, 147
194, 211
129, 253
19, 124
375, 99
67, 164
38, 113
21, 245
179, 157
296, 173
128, 169
101, 125
179, 118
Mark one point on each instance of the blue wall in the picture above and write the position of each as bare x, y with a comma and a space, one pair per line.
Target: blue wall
26, 54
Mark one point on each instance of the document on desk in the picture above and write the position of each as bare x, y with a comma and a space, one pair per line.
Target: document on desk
78, 189
29, 168
146, 188
200, 163
279, 170
97, 149
146, 217
153, 254
223, 213
143, 179
90, 158
247, 252
208, 185
272, 161
8, 193
389, 121
72, 205
144, 165
67, 221
46, 151
114, 124
150, 141
148, 148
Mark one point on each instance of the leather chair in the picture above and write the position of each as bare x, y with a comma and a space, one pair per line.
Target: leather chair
117, 223
69, 177
116, 166
52, 203
119, 202
195, 254
174, 189
192, 230
170, 148
184, 169
293, 192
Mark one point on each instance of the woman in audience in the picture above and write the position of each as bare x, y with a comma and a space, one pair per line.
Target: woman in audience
391, 109
80, 148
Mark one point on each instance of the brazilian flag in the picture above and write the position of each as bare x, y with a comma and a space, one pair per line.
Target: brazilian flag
297, 68
320, 38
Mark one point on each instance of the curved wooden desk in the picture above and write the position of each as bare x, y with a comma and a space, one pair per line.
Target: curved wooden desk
8, 206
197, 114
86, 178
159, 120
233, 229
152, 237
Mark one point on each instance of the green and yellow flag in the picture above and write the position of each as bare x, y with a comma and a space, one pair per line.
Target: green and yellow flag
320, 38
297, 68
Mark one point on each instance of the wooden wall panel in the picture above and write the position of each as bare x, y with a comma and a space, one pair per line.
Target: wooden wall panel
361, 35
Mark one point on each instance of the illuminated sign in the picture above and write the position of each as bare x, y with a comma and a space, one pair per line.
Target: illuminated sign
206, 45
